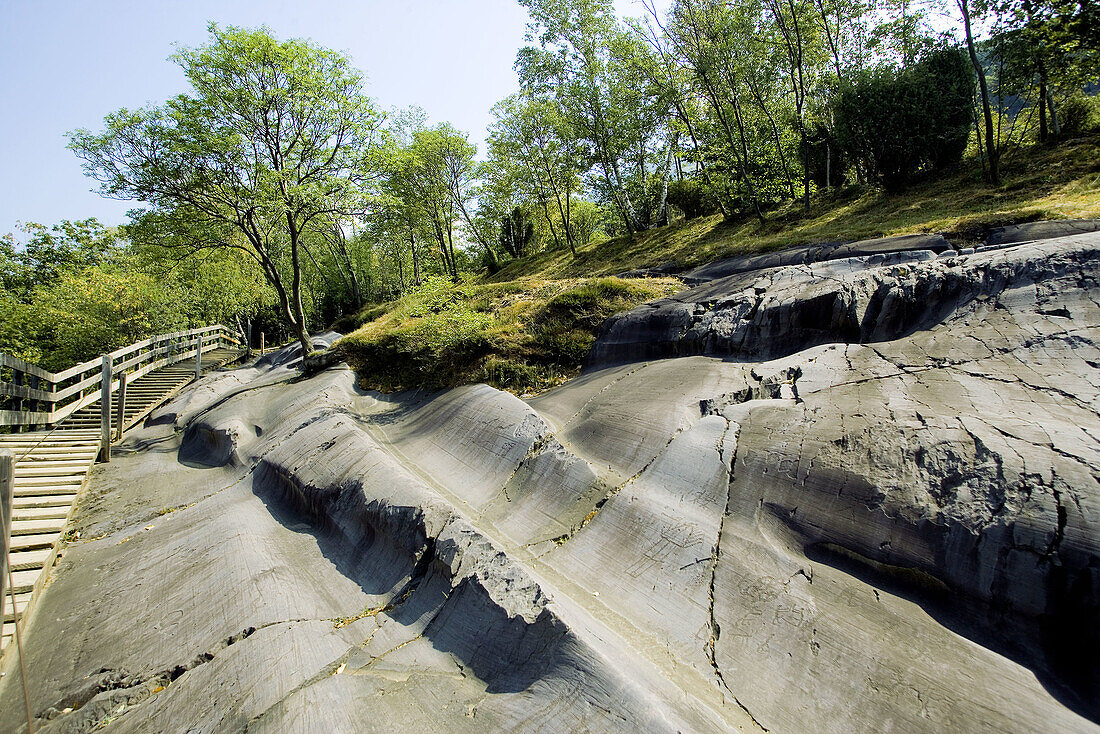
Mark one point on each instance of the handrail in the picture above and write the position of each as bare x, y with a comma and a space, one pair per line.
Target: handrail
38, 397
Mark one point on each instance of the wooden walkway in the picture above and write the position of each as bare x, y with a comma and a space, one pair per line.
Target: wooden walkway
51, 468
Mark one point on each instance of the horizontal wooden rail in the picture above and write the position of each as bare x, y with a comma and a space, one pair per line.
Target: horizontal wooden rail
32, 396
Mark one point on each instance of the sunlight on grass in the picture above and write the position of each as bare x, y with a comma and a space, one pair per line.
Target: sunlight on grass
521, 335
1039, 183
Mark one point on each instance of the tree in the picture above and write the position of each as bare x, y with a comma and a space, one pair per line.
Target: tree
516, 233
532, 153
274, 137
993, 151
904, 121
434, 174
592, 69
49, 251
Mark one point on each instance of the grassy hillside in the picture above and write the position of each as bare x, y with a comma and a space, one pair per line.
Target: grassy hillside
531, 325
1060, 182
520, 336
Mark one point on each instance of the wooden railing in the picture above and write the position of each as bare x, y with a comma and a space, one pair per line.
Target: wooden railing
31, 396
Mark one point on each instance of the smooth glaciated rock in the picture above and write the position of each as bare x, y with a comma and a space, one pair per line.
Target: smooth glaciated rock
852, 495
1016, 233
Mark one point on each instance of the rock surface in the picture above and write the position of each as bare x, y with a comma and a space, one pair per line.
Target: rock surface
851, 495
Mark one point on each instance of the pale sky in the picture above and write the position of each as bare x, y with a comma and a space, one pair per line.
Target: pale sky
64, 64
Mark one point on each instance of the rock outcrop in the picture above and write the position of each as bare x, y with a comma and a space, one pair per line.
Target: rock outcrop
848, 493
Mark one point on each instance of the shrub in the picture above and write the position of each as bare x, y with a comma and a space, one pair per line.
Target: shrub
901, 123
1078, 115
688, 196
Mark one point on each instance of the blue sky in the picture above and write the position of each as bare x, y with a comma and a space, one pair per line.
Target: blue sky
64, 64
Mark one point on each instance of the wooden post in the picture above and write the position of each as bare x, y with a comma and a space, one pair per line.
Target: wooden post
261, 344
105, 410
7, 472
17, 403
198, 356
121, 412
36, 406
248, 338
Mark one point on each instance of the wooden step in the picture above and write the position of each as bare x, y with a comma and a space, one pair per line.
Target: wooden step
87, 456
35, 526
62, 489
57, 469
30, 482
33, 542
29, 559
51, 445
21, 601
42, 501
39, 513
23, 581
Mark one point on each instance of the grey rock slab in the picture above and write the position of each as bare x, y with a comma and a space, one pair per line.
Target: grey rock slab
769, 314
1015, 233
852, 494
820, 252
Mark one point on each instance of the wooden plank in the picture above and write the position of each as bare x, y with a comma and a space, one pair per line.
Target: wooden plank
39, 513
55, 469
33, 542
26, 560
24, 392
23, 418
21, 601
35, 526
6, 360
23, 581
7, 465
24, 486
47, 501
47, 491
90, 366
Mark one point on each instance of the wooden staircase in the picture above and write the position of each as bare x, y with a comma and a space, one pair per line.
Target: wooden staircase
50, 471
51, 468
146, 393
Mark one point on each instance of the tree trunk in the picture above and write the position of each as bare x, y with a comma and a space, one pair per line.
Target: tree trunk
745, 158
415, 257
990, 144
1055, 126
775, 136
1042, 103
298, 319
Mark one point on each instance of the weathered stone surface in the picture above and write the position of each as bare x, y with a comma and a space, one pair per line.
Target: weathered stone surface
877, 298
1016, 233
854, 495
820, 252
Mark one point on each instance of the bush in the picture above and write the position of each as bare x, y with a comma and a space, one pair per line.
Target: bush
688, 196
905, 122
1078, 115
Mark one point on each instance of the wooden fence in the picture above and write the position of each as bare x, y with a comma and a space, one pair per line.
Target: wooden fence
32, 397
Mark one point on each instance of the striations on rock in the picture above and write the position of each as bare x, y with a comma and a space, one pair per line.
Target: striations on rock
848, 489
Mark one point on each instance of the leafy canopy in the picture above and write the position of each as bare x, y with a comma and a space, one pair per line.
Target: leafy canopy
274, 136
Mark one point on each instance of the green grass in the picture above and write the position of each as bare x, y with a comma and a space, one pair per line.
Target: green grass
531, 325
1061, 182
522, 336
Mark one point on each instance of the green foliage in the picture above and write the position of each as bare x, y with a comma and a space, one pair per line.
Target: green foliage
900, 123
519, 336
1079, 115
272, 136
689, 196
517, 234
